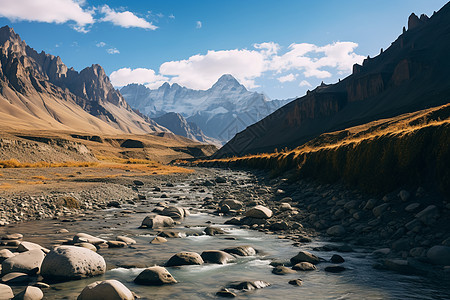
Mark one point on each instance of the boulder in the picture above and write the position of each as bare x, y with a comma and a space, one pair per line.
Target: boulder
259, 212
30, 293
282, 270
429, 215
336, 230
248, 285
305, 256
216, 257
87, 238
439, 255
380, 209
158, 240
106, 290
213, 231
27, 262
232, 204
157, 221
280, 225
220, 179
241, 250
304, 266
184, 258
5, 292
337, 259
173, 212
16, 278
155, 276
27, 246
125, 239
70, 262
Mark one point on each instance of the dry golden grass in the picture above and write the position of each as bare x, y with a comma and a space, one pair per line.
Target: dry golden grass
13, 163
5, 186
411, 149
39, 177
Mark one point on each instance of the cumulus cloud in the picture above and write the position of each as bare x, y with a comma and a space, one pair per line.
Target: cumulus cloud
247, 65
124, 19
199, 25
171, 16
48, 11
144, 76
288, 78
100, 44
113, 51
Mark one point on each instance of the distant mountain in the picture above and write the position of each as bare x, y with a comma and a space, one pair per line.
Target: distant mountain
177, 124
38, 91
220, 112
412, 74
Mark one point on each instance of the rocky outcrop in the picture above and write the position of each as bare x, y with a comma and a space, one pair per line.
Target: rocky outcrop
406, 77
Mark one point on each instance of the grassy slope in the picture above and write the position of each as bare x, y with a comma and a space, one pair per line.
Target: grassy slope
378, 157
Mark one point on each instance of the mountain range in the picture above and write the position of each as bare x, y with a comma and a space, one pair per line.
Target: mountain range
37, 90
220, 112
410, 75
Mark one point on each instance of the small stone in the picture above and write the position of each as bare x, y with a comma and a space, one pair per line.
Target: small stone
5, 254
285, 207
125, 239
335, 269
12, 236
216, 257
377, 211
412, 207
87, 246
297, 282
226, 293
62, 230
116, 244
282, 270
16, 278
337, 259
336, 230
248, 285
305, 256
404, 195
5, 292
30, 293
157, 221
241, 250
304, 266
429, 215
158, 240
213, 231
87, 238
259, 212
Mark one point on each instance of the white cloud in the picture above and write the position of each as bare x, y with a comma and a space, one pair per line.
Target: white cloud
288, 78
304, 83
126, 76
48, 11
171, 16
199, 25
100, 44
113, 51
124, 19
303, 60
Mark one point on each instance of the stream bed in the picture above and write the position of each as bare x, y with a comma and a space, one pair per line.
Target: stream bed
359, 281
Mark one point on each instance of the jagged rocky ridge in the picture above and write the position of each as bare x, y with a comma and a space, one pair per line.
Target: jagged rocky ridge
38, 85
220, 112
408, 76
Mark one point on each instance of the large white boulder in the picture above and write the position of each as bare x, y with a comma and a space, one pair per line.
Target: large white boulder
70, 262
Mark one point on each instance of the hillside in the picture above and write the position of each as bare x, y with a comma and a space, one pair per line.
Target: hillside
408, 150
38, 91
408, 76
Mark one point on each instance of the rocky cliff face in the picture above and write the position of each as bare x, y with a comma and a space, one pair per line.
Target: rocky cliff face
220, 112
25, 73
410, 75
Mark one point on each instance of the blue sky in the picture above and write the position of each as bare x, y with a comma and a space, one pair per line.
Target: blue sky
280, 47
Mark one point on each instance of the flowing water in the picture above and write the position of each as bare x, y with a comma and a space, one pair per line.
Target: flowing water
360, 281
